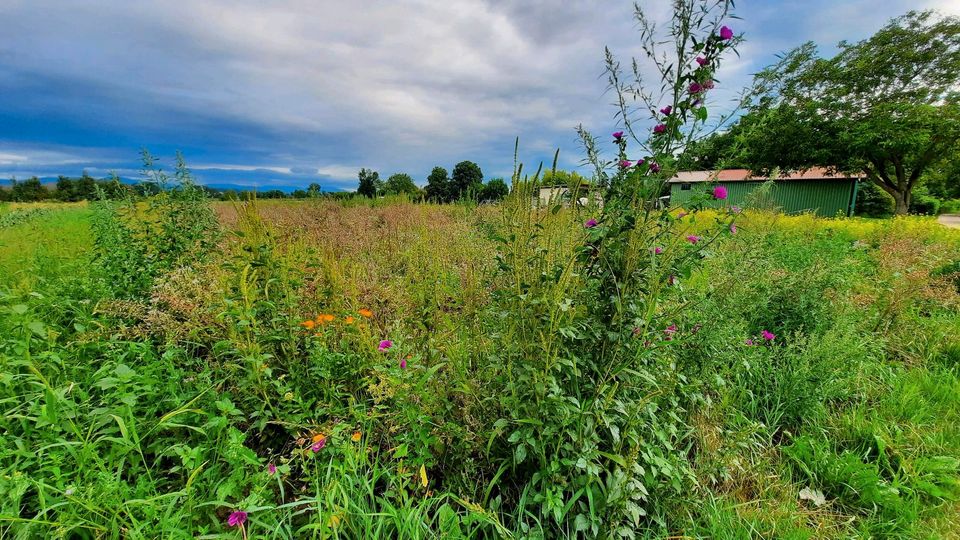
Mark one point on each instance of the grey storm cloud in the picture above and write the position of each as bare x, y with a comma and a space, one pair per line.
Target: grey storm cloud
319, 88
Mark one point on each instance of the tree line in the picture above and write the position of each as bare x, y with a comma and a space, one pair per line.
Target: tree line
465, 182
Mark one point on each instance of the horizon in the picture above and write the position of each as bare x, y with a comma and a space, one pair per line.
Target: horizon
281, 96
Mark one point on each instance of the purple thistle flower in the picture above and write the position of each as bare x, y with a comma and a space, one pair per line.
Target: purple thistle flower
768, 335
590, 223
726, 33
617, 135
657, 250
654, 166
693, 239
271, 469
701, 60
624, 163
640, 162
403, 363
667, 110
695, 88
317, 446
237, 519
719, 193
748, 342
660, 128
384, 345
708, 84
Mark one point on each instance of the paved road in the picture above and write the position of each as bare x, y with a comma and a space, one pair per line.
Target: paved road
950, 220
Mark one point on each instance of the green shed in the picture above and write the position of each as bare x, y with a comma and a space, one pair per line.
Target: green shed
815, 190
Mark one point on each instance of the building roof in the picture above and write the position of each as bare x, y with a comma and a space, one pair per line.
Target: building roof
744, 175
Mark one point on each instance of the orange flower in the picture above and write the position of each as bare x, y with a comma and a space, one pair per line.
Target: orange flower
356, 436
318, 437
308, 325
366, 313
325, 318
349, 320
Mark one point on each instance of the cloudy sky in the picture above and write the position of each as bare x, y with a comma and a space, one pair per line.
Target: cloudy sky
289, 92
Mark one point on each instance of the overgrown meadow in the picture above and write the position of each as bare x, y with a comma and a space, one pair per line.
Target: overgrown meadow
378, 368
388, 369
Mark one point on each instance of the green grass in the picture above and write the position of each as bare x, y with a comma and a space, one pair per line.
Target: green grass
158, 415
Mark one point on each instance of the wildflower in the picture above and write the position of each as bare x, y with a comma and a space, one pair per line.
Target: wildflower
590, 223
271, 469
640, 162
384, 345
617, 135
693, 239
657, 250
654, 166
695, 88
403, 363
308, 324
325, 318
365, 313
681, 215
625, 163
349, 319
356, 436
701, 60
318, 445
708, 84
68, 492
670, 330
726, 33
748, 342
733, 228
288, 396
660, 128
318, 437
719, 193
237, 518
735, 209
667, 110
768, 335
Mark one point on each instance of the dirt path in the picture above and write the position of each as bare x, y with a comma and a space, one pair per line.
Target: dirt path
950, 220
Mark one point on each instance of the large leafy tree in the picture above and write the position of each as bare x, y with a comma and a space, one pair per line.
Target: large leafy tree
370, 183
885, 107
466, 178
438, 185
401, 183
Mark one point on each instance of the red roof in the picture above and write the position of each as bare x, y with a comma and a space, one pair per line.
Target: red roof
743, 175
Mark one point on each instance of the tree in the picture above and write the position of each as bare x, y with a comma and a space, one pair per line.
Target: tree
717, 151
438, 185
370, 184
466, 178
494, 190
886, 106
29, 190
401, 183
314, 190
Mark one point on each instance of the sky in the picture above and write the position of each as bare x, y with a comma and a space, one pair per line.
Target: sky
290, 92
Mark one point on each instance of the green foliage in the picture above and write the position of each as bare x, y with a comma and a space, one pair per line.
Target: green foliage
494, 190
873, 201
370, 184
401, 183
466, 180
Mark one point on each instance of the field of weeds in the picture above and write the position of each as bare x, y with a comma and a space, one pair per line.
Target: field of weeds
398, 370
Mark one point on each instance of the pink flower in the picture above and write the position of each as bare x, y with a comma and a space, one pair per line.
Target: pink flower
695, 88
720, 193
748, 342
657, 250
384, 345
693, 239
733, 228
768, 335
617, 135
654, 166
701, 60
681, 215
318, 446
625, 163
726, 33
237, 519
640, 162
735, 209
271, 469
591, 223
660, 128
403, 363
667, 110
669, 332
708, 84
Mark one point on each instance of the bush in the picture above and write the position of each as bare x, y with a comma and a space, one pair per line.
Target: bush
872, 201
922, 203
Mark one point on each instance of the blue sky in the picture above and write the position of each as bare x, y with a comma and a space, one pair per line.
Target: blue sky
290, 92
